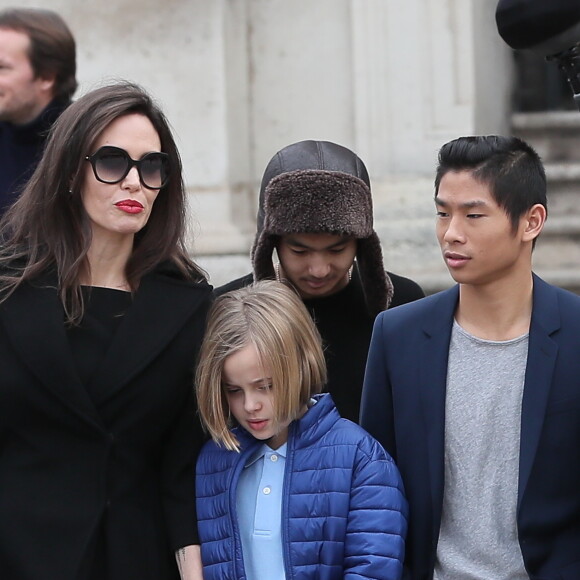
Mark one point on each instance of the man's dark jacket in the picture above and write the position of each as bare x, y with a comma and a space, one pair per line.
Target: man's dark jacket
21, 148
403, 406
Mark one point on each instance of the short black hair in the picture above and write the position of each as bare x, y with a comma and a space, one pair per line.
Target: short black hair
510, 167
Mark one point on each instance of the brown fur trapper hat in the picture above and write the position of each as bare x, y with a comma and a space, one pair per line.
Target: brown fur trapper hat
319, 187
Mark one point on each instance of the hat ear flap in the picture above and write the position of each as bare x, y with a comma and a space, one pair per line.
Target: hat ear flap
262, 256
377, 285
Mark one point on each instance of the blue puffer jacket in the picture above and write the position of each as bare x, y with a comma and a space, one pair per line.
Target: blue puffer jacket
344, 510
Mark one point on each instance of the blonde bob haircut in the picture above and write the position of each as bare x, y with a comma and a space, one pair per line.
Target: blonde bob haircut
273, 318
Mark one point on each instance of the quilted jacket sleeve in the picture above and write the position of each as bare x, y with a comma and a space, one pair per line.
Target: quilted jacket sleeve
377, 520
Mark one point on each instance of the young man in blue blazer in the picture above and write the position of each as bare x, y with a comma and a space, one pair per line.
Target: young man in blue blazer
475, 391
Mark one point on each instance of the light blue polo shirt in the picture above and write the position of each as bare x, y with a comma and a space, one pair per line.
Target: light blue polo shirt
259, 506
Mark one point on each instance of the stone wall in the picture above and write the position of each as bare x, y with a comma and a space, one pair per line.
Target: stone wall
239, 79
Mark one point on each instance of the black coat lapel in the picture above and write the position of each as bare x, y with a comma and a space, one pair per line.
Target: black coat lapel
34, 321
161, 307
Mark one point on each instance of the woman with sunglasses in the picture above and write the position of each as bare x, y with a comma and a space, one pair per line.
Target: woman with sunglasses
101, 315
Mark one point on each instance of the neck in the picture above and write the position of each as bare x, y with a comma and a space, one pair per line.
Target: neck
498, 311
33, 113
108, 261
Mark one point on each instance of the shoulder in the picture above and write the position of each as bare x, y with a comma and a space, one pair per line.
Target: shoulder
343, 435
404, 290
372, 471
403, 326
554, 307
547, 296
441, 302
348, 453
234, 285
367, 448
565, 298
52, 112
171, 274
175, 295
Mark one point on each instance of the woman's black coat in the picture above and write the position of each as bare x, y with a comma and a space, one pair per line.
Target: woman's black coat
123, 464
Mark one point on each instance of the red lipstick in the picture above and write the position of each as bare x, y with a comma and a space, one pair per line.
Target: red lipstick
130, 206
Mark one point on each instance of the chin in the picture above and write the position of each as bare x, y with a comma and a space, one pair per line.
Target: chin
319, 293
130, 229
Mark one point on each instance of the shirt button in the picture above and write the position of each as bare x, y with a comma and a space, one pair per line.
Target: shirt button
266, 490
274, 457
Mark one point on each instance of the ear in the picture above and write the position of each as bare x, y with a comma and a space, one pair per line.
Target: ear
534, 221
46, 84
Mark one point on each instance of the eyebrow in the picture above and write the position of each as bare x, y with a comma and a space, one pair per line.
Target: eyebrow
293, 242
464, 205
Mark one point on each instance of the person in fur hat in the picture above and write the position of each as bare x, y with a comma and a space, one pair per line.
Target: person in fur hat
316, 214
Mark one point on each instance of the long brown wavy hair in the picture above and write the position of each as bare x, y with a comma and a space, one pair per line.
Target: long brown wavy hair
48, 229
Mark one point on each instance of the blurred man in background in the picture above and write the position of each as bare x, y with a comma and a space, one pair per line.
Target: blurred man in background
37, 82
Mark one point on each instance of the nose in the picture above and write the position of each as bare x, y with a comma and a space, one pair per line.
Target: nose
252, 402
454, 231
131, 180
318, 267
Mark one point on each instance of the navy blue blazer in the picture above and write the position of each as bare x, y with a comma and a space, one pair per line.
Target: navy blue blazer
403, 406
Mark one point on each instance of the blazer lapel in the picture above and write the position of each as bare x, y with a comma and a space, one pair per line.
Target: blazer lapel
34, 320
542, 353
433, 357
161, 307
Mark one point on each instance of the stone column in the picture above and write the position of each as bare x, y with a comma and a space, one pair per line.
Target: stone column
425, 72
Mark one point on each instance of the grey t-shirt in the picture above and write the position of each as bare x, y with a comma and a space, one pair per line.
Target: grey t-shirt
478, 538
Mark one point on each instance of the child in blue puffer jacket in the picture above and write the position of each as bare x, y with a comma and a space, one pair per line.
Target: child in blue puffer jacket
286, 488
